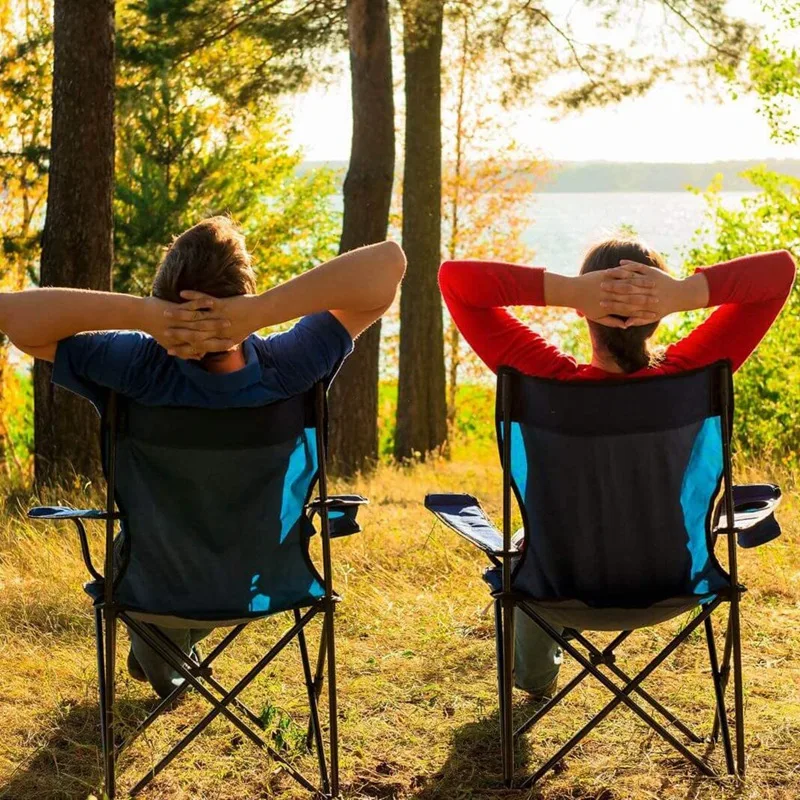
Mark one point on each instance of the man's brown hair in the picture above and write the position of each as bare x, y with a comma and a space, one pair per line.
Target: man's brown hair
211, 257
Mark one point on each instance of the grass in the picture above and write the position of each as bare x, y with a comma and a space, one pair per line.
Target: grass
417, 686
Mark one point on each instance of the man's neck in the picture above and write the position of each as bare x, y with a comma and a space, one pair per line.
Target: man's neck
232, 361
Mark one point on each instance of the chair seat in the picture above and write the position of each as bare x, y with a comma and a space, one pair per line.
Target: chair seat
581, 616
212, 619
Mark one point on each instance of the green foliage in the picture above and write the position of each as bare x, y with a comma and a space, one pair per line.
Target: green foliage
473, 426
287, 736
775, 74
199, 137
25, 76
18, 422
768, 385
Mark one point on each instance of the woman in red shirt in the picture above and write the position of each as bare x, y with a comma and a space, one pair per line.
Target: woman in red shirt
623, 290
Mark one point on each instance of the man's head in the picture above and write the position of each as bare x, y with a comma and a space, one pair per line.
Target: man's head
627, 346
211, 257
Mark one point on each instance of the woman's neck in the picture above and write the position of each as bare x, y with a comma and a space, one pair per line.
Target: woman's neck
604, 361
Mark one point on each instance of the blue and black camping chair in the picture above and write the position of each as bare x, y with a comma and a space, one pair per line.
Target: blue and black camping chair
616, 483
215, 511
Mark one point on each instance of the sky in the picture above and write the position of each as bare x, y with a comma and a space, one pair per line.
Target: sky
665, 125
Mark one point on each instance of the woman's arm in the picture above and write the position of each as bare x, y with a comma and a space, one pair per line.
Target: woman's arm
356, 287
477, 294
750, 293
37, 319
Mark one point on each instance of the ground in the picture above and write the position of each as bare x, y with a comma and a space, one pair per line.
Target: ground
417, 681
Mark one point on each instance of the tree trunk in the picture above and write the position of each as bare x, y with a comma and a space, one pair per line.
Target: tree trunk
421, 406
367, 197
77, 239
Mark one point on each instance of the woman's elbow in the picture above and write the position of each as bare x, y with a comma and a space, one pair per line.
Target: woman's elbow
788, 269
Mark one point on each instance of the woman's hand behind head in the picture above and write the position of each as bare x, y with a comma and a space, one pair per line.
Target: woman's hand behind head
668, 294
616, 297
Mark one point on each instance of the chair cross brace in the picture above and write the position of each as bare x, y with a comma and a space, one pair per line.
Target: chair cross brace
622, 695
178, 691
192, 672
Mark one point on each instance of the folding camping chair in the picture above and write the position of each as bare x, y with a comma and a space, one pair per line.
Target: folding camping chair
616, 483
216, 517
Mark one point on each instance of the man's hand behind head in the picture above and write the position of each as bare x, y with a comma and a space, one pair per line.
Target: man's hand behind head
189, 330
206, 324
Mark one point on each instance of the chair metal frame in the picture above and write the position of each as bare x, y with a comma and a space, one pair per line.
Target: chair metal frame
198, 675
507, 602
748, 521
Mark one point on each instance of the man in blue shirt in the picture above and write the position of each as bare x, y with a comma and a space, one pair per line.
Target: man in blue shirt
193, 343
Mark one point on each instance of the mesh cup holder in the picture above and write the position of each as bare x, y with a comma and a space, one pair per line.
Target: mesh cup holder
754, 505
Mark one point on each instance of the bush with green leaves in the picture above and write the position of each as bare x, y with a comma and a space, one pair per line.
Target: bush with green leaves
768, 385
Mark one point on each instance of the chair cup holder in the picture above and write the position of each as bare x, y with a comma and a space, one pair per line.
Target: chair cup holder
343, 522
761, 533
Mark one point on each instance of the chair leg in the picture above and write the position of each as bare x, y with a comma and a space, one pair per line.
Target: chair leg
110, 665
498, 640
507, 691
319, 679
738, 685
722, 714
315, 729
724, 672
333, 709
101, 678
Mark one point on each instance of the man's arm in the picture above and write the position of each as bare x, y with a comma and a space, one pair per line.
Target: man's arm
356, 287
37, 319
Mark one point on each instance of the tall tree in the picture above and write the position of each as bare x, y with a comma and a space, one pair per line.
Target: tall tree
487, 190
421, 407
367, 197
532, 41
77, 245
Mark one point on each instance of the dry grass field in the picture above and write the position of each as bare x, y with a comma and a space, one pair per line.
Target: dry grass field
417, 681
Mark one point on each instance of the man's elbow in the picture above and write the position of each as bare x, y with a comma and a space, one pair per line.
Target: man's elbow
395, 260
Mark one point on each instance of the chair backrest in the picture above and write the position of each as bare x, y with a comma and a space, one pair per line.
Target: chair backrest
616, 483
212, 503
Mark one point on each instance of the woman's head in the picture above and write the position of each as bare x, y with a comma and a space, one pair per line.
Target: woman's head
627, 346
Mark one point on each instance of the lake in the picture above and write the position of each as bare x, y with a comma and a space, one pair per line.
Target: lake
567, 224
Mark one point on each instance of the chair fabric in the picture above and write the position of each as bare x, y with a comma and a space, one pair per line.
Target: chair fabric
463, 514
616, 482
213, 507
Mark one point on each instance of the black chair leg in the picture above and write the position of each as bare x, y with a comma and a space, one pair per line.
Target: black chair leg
738, 685
101, 677
719, 691
319, 679
507, 690
109, 753
498, 641
333, 708
724, 671
315, 730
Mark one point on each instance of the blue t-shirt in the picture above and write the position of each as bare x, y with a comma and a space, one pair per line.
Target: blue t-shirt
133, 364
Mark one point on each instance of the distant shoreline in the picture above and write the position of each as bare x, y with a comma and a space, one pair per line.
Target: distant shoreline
610, 176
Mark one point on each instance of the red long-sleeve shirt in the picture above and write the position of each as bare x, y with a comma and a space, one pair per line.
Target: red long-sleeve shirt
749, 291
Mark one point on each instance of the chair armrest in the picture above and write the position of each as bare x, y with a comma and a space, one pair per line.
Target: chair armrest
342, 513
62, 512
76, 516
753, 514
463, 514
